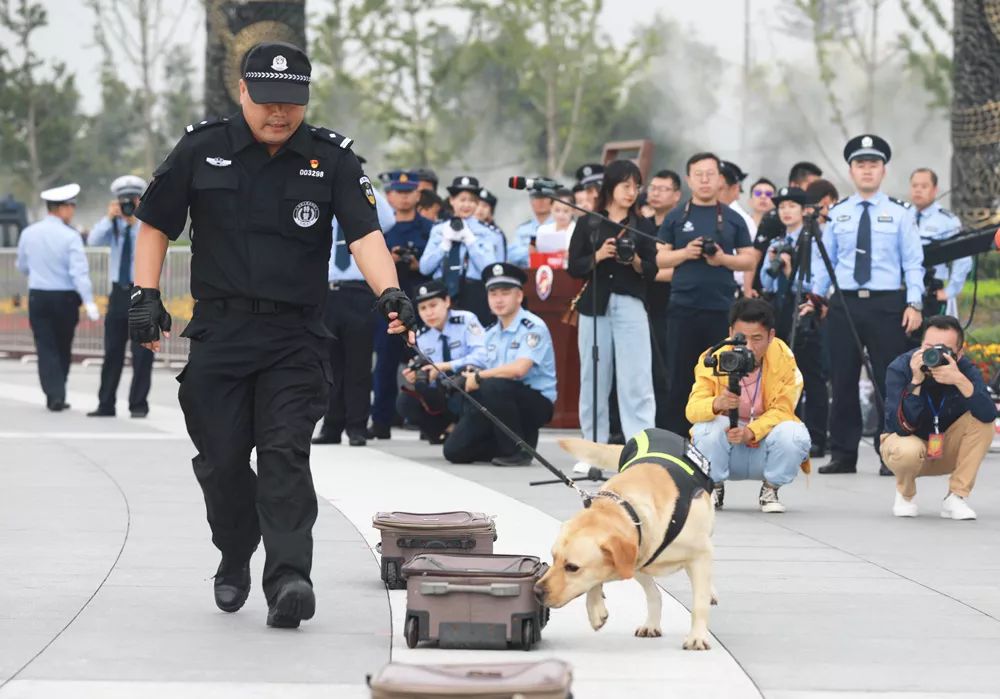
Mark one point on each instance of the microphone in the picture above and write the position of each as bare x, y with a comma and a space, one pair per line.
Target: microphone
535, 183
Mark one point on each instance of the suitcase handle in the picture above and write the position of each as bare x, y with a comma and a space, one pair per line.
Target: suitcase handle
418, 542
491, 589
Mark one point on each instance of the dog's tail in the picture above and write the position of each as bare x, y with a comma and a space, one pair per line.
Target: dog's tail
603, 456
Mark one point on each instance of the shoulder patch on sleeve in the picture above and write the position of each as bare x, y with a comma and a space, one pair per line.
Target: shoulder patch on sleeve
339, 140
205, 123
900, 202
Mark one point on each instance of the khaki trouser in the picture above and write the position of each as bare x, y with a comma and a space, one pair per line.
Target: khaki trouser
966, 443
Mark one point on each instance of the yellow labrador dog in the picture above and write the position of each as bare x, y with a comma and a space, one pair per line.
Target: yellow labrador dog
653, 518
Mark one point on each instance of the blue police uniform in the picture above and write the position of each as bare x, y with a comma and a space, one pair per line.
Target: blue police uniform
461, 342
51, 254
118, 234
524, 404
349, 316
390, 349
937, 223
875, 248
520, 251
460, 266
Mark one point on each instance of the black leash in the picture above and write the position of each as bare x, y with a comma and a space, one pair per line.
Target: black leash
562, 477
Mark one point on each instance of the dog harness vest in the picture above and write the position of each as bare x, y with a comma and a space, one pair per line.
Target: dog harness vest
686, 465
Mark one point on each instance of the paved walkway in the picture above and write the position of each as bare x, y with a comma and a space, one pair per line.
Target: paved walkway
105, 566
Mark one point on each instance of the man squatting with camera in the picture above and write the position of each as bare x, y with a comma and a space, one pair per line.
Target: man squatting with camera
939, 419
769, 443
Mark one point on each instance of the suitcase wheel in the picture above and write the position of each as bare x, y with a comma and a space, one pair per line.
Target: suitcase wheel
527, 634
411, 631
393, 577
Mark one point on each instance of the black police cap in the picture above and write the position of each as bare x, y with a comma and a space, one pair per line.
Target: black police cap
431, 290
504, 275
464, 183
277, 72
590, 174
425, 174
732, 172
867, 146
489, 197
791, 194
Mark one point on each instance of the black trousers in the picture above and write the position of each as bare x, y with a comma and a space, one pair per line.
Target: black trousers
878, 321
115, 340
429, 409
349, 315
691, 331
524, 410
472, 297
53, 316
256, 381
659, 339
816, 412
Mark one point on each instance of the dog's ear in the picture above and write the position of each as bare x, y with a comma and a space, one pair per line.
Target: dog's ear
623, 555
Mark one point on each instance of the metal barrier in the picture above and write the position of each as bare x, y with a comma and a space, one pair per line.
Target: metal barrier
15, 331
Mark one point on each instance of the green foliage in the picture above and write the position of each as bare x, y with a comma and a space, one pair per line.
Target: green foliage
924, 56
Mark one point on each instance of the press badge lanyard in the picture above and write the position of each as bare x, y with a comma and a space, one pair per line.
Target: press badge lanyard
935, 441
756, 390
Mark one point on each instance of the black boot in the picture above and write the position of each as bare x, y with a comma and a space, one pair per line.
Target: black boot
294, 602
232, 584
839, 466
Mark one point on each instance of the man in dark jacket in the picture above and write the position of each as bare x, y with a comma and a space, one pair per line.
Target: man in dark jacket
939, 419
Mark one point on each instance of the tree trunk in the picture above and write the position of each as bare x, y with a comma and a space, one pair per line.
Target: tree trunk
975, 120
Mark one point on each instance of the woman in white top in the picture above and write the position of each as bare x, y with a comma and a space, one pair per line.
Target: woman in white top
555, 236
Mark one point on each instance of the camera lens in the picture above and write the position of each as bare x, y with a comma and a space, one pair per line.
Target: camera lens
709, 247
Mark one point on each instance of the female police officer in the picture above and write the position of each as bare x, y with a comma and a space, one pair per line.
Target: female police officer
262, 188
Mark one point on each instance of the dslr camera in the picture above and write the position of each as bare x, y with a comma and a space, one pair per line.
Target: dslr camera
775, 266
407, 253
128, 204
935, 356
624, 250
708, 246
422, 378
738, 361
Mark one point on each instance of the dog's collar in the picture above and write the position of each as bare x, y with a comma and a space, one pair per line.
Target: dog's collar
633, 515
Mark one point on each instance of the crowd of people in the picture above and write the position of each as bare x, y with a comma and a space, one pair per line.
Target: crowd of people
674, 276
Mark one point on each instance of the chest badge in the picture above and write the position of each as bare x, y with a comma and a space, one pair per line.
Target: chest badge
314, 164
218, 162
305, 214
885, 218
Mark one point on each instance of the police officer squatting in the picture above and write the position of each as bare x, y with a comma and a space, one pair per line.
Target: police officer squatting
328, 310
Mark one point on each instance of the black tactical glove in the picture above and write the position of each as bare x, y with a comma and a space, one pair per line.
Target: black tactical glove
393, 300
146, 315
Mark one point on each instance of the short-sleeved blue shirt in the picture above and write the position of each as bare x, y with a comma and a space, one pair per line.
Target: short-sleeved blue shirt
527, 336
697, 284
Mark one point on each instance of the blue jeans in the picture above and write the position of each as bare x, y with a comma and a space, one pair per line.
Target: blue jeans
623, 331
776, 460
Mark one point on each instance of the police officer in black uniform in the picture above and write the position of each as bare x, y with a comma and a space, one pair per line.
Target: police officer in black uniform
262, 188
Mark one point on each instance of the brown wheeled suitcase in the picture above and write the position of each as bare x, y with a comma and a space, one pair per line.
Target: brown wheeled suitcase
473, 601
548, 679
405, 534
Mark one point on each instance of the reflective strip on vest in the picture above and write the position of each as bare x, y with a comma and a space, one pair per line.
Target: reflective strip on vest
642, 445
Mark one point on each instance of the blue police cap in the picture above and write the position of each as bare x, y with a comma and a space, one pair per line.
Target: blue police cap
402, 181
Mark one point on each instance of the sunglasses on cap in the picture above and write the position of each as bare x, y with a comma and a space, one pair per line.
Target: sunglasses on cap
763, 193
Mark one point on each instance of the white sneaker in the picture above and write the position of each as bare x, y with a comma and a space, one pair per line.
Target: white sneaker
955, 507
769, 499
903, 507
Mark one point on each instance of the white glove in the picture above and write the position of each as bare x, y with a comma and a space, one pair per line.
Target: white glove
451, 234
446, 243
467, 236
92, 311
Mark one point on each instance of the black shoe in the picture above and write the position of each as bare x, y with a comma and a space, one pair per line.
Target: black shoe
58, 406
883, 470
518, 458
377, 431
719, 495
101, 412
294, 602
324, 438
232, 585
139, 413
437, 440
839, 467
357, 439
616, 438
817, 452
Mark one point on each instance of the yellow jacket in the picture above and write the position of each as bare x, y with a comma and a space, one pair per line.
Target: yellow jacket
781, 384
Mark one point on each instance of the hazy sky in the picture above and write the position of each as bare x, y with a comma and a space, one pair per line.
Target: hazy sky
68, 37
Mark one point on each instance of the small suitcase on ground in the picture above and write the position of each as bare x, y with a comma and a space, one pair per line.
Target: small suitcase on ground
548, 679
405, 534
473, 601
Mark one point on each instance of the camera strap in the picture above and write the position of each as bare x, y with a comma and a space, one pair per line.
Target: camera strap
718, 218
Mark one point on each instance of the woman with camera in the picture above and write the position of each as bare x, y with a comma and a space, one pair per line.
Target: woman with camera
625, 262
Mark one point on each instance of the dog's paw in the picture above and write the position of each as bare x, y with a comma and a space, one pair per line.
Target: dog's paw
696, 643
648, 632
598, 616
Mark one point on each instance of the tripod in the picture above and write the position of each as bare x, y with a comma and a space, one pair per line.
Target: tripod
802, 275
